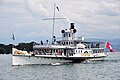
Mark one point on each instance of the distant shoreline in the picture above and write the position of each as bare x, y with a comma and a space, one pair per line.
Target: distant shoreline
7, 49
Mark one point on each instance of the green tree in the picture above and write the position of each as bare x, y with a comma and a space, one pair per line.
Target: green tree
2, 50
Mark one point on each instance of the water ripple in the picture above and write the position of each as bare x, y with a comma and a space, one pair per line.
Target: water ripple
98, 70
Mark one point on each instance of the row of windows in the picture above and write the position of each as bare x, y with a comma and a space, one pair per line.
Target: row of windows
94, 51
67, 35
50, 50
78, 51
98, 51
67, 43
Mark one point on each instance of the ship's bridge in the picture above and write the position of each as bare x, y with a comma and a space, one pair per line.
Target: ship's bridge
68, 36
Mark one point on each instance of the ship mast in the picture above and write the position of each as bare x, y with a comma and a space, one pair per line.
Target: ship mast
53, 19
53, 23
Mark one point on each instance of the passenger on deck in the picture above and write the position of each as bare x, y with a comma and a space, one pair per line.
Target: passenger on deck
41, 42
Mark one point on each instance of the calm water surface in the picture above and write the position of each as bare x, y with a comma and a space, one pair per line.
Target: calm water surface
109, 69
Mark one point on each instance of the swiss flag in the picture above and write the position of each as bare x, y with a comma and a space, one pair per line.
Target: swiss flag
109, 47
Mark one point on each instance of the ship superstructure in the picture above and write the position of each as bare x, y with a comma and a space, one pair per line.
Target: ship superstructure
69, 49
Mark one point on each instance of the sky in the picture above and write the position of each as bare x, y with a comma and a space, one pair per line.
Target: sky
25, 19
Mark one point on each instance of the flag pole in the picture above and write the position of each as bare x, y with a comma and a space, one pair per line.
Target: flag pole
105, 47
13, 38
53, 22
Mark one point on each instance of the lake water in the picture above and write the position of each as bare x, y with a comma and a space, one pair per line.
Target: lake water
109, 69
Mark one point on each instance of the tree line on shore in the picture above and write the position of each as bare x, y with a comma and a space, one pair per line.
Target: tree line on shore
7, 49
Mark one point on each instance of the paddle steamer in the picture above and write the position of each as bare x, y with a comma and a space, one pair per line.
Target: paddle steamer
69, 49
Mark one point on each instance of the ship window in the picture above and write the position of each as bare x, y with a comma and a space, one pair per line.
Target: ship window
69, 35
54, 50
40, 50
66, 43
76, 51
64, 35
69, 42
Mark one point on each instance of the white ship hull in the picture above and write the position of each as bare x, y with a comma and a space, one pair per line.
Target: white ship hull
69, 49
28, 60
25, 60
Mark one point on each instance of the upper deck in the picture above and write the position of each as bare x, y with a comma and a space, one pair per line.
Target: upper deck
69, 40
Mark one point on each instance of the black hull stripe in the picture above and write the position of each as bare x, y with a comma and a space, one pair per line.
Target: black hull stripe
64, 58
